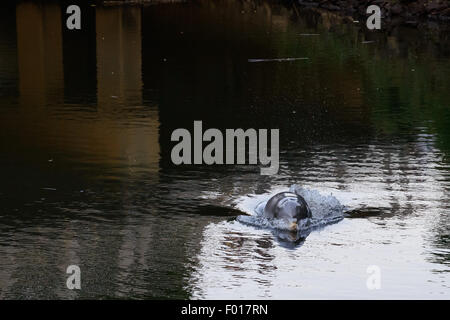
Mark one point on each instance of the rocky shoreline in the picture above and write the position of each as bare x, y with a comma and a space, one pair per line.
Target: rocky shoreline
407, 12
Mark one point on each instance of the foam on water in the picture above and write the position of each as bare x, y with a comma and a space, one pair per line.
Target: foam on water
325, 209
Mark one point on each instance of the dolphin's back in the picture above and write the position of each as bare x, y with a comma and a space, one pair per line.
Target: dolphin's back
287, 205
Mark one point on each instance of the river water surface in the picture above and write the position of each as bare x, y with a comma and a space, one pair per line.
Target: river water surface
86, 176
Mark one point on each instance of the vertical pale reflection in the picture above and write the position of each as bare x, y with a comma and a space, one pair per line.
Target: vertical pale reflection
41, 83
39, 46
119, 84
119, 95
119, 56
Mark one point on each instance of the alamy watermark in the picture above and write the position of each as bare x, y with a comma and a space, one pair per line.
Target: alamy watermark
235, 147
374, 20
73, 21
373, 282
74, 280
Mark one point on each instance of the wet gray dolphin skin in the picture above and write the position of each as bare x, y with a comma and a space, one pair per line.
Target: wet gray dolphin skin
287, 205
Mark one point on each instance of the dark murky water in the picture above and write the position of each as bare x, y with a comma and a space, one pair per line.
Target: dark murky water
86, 176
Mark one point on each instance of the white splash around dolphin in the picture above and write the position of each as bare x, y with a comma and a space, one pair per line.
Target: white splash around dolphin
325, 209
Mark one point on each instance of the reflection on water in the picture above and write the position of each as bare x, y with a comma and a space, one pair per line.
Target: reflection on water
85, 124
